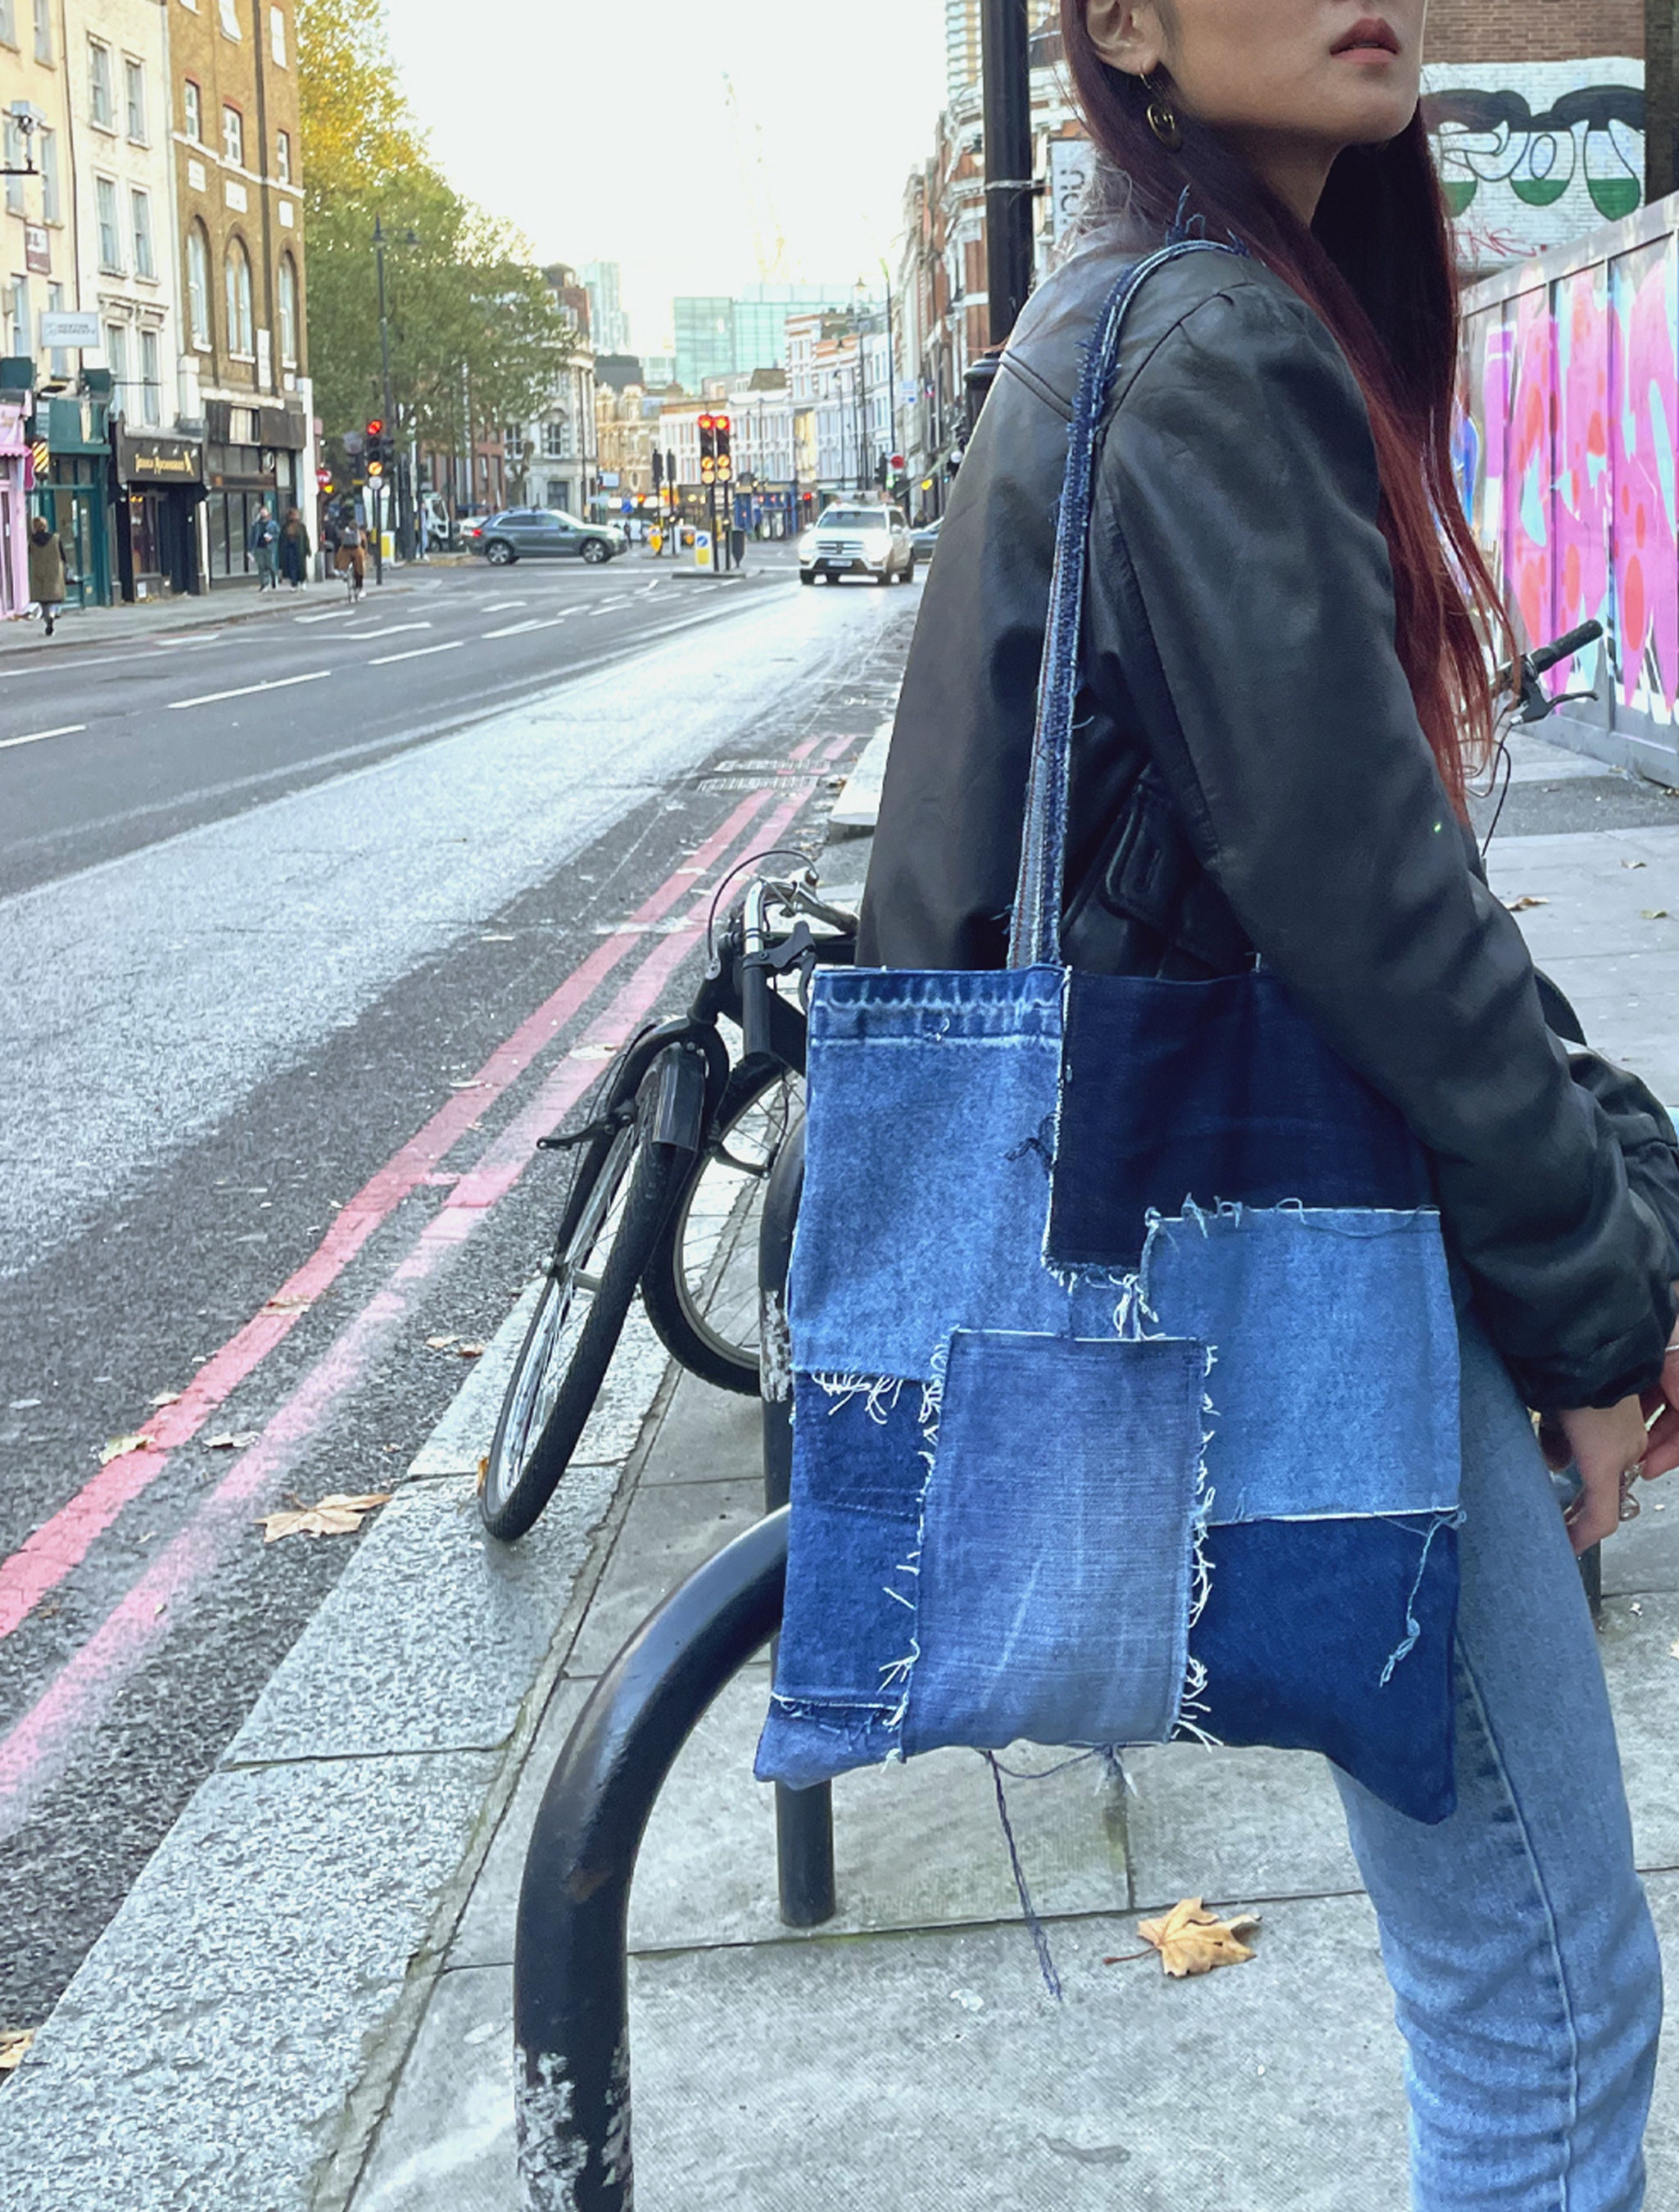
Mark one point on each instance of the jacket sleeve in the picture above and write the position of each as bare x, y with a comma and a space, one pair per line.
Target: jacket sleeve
1239, 578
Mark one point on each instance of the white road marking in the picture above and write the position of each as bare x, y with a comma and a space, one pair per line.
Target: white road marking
415, 653
389, 629
332, 614
245, 690
500, 606
603, 607
517, 629
68, 730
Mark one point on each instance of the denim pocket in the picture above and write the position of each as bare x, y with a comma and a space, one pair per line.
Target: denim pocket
1058, 1536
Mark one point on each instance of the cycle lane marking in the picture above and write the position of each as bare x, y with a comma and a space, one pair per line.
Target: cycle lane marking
62, 1541
39, 1745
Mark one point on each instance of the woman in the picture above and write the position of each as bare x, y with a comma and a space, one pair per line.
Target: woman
295, 547
46, 571
1284, 684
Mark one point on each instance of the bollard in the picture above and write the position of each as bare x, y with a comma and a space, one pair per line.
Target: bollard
570, 2015
803, 1818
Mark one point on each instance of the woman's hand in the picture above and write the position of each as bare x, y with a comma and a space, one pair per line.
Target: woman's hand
1607, 1445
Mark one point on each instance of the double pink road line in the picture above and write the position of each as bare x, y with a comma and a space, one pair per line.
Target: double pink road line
41, 1744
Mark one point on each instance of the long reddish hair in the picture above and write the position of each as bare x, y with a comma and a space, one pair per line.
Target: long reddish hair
1377, 265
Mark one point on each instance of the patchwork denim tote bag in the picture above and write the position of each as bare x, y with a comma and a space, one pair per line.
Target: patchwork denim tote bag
1087, 1272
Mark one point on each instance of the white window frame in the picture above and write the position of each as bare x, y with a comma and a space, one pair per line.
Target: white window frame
200, 327
105, 194
192, 109
116, 360
286, 302
17, 306
232, 153
133, 99
276, 37
240, 302
151, 380
230, 25
58, 358
100, 81
140, 226
283, 156
43, 11
52, 206
12, 138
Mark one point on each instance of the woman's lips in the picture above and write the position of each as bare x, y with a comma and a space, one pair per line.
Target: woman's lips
1371, 35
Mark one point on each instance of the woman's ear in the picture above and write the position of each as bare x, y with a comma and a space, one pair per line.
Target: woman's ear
1126, 34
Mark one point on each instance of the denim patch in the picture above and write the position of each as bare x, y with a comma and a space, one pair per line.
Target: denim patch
1336, 1383
1261, 1110
1055, 1561
927, 1164
1303, 1622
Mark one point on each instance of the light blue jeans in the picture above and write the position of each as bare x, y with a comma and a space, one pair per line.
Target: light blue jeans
1526, 1976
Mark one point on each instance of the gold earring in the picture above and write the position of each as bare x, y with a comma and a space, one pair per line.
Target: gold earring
1163, 117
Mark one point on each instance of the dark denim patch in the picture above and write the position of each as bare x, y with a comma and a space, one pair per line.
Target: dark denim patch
1209, 1091
1301, 1621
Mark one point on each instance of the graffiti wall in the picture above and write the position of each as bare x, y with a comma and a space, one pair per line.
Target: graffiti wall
1566, 458
1534, 155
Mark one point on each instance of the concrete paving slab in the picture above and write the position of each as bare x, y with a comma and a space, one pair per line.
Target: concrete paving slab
463, 1436
671, 1528
1637, 1638
706, 1435
1643, 1557
206, 2045
631, 1381
901, 2072
1234, 1825
915, 1846
433, 1638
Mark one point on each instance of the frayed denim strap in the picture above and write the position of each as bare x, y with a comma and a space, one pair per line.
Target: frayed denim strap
1035, 937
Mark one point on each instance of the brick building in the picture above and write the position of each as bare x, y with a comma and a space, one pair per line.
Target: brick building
1537, 111
239, 210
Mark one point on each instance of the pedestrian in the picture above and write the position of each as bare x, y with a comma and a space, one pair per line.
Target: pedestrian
46, 571
264, 541
1286, 635
294, 549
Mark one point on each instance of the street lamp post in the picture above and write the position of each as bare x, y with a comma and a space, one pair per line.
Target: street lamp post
404, 505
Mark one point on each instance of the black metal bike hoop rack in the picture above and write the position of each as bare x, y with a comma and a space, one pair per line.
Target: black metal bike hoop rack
571, 1978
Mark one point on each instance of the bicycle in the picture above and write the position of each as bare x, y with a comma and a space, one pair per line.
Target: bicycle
670, 1173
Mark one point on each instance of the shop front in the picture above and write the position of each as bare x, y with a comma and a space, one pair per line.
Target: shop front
14, 471
252, 459
75, 494
160, 484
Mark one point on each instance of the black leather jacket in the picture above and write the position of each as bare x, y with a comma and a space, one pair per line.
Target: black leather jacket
1249, 774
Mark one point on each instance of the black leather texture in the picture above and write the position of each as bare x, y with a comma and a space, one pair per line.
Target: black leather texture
1250, 776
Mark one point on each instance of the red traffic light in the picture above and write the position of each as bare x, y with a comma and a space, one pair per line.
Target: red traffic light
897, 464
376, 430
708, 421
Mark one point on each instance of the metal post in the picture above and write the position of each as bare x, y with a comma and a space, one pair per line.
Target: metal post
1008, 125
1661, 98
571, 2022
892, 374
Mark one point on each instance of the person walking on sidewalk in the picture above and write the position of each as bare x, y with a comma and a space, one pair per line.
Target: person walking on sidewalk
264, 544
1284, 682
46, 571
294, 549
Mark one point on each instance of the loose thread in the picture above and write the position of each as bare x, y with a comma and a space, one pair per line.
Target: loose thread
1041, 1941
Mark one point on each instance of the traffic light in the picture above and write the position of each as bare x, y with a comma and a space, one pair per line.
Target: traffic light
708, 449
725, 465
658, 469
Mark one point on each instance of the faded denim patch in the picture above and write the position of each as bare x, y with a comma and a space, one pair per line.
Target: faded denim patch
927, 1166
1261, 1110
1338, 1636
1336, 1384
1054, 1583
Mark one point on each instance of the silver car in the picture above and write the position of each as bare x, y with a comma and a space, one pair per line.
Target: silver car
859, 541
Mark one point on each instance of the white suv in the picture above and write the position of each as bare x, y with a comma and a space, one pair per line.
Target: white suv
859, 541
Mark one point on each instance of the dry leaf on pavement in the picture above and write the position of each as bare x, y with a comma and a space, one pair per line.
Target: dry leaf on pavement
441, 1343
14, 2042
471, 1350
233, 1440
336, 1516
290, 1305
1521, 905
483, 1473
1632, 864
1192, 1941
167, 1398
1655, 914
119, 1447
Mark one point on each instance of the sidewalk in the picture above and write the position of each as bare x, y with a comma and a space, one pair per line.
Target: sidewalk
146, 619
304, 2005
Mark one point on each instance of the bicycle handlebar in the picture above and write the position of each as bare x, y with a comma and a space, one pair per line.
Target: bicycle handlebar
754, 976
1564, 648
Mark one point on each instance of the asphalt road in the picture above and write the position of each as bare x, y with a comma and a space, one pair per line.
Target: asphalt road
308, 926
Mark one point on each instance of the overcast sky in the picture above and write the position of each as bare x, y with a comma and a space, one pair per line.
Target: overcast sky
603, 129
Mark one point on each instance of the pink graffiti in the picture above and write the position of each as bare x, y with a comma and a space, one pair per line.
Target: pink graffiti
1646, 557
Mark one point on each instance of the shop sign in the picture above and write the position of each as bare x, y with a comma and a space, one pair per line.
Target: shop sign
65, 327
159, 460
37, 249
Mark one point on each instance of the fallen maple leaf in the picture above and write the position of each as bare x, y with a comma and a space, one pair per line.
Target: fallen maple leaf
336, 1516
1521, 905
1192, 1941
119, 1447
14, 2042
233, 1440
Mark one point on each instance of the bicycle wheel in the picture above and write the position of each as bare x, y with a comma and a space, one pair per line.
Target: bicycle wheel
579, 1319
700, 1285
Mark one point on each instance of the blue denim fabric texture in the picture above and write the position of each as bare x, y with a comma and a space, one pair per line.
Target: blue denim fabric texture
1261, 1110
1054, 1582
1310, 1312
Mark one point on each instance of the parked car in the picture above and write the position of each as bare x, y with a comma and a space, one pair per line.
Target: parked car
520, 533
925, 540
857, 541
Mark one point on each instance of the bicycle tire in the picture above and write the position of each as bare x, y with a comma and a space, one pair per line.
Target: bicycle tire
567, 1349
700, 1288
